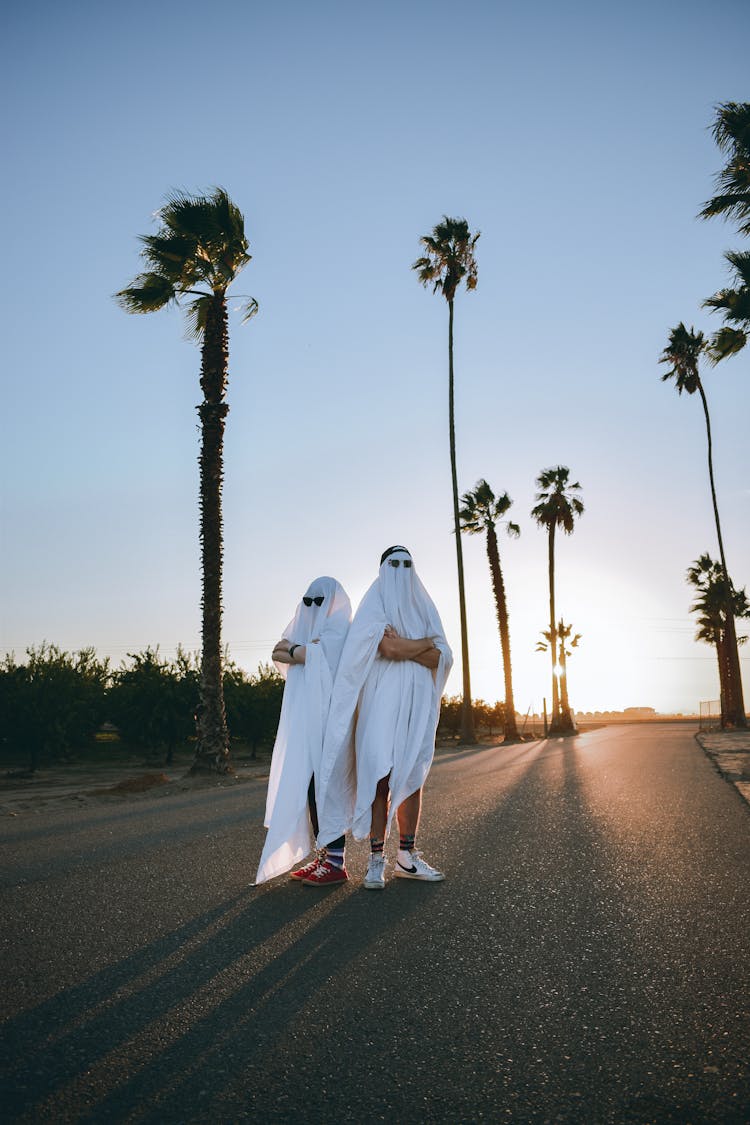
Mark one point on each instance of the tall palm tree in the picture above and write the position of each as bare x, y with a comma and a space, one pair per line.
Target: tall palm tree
557, 505
197, 252
682, 354
707, 577
731, 130
449, 260
480, 512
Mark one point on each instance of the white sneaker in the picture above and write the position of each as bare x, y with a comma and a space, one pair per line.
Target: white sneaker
375, 877
420, 869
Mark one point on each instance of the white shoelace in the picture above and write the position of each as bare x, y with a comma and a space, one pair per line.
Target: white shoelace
419, 862
321, 870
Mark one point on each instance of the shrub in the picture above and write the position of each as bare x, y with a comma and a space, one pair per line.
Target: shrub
253, 704
152, 701
53, 703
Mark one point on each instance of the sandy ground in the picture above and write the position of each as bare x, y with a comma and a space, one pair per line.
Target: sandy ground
730, 753
83, 785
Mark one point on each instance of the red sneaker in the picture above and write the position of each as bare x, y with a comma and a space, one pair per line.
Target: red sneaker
304, 872
325, 875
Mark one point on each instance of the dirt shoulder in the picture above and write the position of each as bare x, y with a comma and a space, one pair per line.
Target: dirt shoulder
82, 785
730, 753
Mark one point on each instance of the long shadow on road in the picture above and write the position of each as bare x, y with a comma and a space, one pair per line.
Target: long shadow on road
547, 980
219, 991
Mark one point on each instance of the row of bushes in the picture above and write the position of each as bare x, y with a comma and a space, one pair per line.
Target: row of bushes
54, 704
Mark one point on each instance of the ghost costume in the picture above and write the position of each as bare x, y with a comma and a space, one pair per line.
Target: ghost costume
298, 747
384, 713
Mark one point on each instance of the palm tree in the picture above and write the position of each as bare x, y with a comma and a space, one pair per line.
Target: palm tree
557, 506
449, 260
197, 252
707, 577
563, 633
731, 130
682, 354
480, 512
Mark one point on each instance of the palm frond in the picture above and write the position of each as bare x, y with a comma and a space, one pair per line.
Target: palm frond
739, 260
706, 575
734, 303
196, 316
731, 131
556, 502
731, 128
200, 244
682, 354
249, 309
470, 518
731, 205
482, 509
171, 256
449, 259
216, 226
725, 343
148, 293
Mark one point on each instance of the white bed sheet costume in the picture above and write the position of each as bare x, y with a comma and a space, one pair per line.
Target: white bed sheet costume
384, 713
298, 748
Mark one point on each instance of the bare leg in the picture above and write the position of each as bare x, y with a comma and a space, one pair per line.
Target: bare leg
380, 808
312, 806
407, 814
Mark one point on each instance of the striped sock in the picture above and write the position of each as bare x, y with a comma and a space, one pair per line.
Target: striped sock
376, 846
406, 843
335, 856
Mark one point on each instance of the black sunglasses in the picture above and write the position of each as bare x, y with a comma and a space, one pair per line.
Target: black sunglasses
397, 562
318, 601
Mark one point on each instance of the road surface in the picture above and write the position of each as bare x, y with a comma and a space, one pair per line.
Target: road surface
586, 960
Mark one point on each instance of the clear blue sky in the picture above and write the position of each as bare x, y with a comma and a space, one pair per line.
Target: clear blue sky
575, 137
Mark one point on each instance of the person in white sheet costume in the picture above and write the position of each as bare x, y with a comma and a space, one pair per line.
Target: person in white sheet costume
307, 656
386, 701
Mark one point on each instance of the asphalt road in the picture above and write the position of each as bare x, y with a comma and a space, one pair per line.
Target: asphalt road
586, 960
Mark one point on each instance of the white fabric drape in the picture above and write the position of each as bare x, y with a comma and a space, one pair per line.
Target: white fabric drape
298, 747
388, 709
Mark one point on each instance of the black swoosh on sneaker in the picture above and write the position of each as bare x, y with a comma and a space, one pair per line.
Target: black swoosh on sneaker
409, 870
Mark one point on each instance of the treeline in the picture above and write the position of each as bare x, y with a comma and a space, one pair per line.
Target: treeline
54, 703
487, 717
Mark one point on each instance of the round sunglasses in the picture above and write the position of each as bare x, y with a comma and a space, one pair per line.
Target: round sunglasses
318, 601
397, 562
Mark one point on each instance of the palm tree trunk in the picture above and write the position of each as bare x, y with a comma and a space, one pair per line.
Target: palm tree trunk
735, 703
720, 643
729, 704
467, 717
212, 748
552, 628
564, 701
493, 554
567, 725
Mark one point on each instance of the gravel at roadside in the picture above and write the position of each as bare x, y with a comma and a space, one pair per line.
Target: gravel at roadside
730, 753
